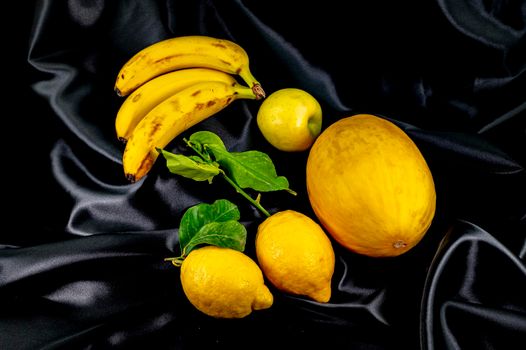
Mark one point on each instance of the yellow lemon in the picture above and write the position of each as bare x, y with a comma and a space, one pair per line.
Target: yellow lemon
296, 255
290, 119
370, 186
224, 283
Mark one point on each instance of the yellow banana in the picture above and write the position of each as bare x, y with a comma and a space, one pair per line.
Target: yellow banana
173, 116
185, 52
149, 95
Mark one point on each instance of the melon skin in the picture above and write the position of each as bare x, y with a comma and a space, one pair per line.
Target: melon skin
370, 186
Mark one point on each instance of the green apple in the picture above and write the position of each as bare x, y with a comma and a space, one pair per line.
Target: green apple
290, 119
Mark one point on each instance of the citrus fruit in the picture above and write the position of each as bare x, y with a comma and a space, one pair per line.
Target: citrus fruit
370, 186
290, 119
224, 283
296, 255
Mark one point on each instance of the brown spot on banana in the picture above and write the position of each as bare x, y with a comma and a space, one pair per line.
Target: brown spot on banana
123, 75
186, 118
220, 45
225, 62
135, 58
168, 58
144, 168
155, 128
175, 105
136, 97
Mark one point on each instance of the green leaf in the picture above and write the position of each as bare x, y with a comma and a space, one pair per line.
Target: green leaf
200, 139
190, 167
229, 234
250, 169
198, 216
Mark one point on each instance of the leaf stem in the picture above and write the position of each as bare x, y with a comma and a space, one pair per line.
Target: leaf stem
178, 261
244, 194
196, 150
230, 181
292, 192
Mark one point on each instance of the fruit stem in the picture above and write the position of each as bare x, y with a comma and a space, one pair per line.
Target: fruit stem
292, 192
399, 244
244, 194
251, 81
178, 261
258, 91
244, 92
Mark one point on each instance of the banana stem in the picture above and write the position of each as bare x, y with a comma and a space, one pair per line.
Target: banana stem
258, 91
244, 194
247, 93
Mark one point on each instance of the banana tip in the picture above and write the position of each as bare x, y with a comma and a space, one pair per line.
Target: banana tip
118, 92
131, 178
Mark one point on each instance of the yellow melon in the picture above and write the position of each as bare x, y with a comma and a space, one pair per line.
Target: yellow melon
370, 186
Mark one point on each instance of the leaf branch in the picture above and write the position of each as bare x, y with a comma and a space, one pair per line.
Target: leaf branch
250, 169
244, 194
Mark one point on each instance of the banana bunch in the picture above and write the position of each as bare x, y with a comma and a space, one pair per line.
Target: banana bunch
171, 86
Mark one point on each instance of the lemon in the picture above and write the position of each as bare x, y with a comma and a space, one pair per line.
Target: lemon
224, 283
296, 255
370, 186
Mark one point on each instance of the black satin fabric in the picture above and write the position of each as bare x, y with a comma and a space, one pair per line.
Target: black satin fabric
81, 250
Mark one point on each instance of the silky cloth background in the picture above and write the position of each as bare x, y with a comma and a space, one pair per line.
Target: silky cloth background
84, 269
